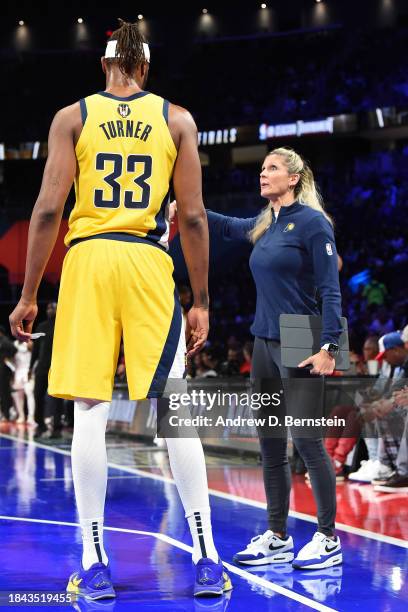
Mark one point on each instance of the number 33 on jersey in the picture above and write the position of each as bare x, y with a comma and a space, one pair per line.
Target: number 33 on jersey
125, 156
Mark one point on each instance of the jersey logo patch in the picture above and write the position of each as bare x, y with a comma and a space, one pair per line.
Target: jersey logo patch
289, 227
124, 110
329, 249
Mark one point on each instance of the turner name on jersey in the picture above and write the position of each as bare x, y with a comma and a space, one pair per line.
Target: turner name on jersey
126, 129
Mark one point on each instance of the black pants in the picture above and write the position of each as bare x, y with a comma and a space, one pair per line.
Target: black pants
267, 371
40, 392
5, 390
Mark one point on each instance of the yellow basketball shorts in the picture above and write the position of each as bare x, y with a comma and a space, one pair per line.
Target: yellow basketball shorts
109, 289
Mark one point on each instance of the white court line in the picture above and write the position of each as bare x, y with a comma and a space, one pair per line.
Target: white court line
266, 584
365, 533
71, 479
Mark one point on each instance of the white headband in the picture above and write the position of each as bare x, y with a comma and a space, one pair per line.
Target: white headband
111, 50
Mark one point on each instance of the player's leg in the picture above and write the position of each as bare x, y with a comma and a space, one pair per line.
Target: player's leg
187, 464
155, 352
90, 471
85, 352
188, 467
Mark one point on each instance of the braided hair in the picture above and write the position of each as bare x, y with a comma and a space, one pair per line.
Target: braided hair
129, 48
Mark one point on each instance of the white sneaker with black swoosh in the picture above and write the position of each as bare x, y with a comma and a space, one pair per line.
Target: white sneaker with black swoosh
321, 552
266, 548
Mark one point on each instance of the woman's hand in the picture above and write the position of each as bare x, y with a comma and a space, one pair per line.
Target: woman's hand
322, 363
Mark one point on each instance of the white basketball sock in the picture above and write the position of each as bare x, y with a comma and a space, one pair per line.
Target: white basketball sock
187, 464
90, 473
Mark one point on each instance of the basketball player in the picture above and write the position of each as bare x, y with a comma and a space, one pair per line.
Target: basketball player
122, 146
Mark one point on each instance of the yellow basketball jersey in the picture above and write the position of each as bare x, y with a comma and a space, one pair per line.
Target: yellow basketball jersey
125, 158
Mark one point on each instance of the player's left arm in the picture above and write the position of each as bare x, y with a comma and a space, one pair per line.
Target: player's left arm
59, 174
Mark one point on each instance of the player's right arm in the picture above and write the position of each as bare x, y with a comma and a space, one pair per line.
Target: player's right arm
192, 220
59, 174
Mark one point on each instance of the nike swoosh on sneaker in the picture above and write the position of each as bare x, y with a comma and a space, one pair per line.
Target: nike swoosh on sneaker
272, 547
329, 550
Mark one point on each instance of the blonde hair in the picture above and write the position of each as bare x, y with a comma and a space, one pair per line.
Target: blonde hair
305, 191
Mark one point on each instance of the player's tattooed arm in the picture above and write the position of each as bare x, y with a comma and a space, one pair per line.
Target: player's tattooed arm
204, 300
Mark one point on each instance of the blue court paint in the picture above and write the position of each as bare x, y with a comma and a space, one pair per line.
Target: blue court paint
155, 575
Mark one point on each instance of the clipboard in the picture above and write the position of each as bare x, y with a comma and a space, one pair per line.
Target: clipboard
300, 338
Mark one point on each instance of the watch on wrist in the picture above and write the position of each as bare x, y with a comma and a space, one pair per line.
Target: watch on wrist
331, 348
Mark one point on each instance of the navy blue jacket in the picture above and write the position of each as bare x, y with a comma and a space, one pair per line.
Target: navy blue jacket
293, 260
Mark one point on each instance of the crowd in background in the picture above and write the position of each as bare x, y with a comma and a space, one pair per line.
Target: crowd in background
304, 76
230, 82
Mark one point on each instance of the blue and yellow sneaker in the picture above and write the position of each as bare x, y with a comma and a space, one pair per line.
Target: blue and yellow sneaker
94, 583
211, 578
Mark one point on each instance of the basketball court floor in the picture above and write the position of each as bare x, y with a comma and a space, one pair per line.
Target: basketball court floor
149, 544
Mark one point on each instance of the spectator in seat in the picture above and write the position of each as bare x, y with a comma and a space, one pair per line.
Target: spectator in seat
245, 368
382, 323
375, 293
393, 420
210, 362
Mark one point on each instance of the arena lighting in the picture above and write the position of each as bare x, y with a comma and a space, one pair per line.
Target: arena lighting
36, 149
214, 137
140, 17
80, 20
380, 117
21, 22
298, 128
205, 11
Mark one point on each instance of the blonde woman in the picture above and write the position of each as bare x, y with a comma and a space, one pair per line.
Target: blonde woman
294, 255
